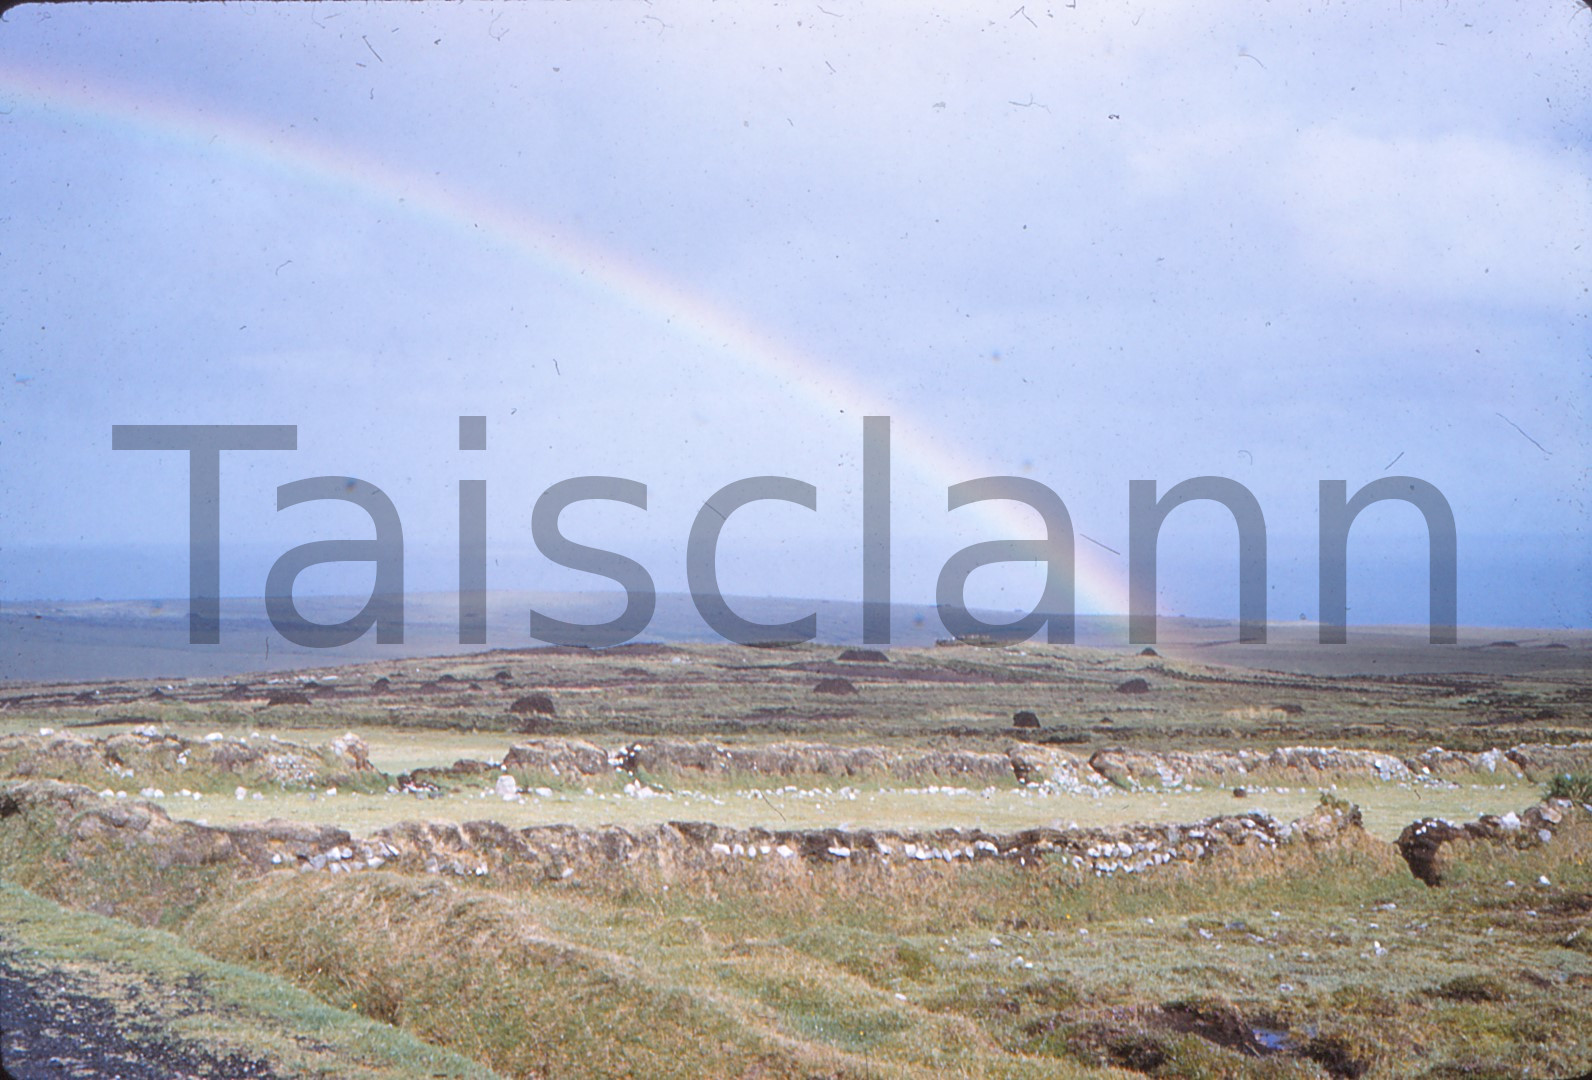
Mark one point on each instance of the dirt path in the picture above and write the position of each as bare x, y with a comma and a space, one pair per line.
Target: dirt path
56, 1023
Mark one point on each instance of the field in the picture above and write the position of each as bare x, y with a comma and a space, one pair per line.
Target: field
704, 860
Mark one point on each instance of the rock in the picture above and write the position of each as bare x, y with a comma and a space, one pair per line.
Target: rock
1058, 768
1133, 686
353, 750
1147, 651
506, 787
1023, 718
834, 686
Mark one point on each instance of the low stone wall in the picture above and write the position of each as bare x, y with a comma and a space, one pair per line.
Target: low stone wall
1423, 843
87, 822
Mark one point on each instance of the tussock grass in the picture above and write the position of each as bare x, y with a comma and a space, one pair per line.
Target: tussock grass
238, 1010
1576, 787
478, 973
772, 967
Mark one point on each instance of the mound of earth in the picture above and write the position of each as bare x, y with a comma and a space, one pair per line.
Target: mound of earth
1543, 761
1422, 843
147, 758
864, 656
533, 705
666, 757
140, 839
1043, 765
559, 757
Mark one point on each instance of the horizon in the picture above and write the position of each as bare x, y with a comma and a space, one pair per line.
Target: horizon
175, 606
51, 642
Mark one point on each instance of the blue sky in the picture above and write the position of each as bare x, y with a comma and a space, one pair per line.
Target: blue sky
690, 243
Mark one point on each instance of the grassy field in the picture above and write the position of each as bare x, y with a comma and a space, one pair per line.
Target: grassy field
1387, 807
1305, 959
228, 1009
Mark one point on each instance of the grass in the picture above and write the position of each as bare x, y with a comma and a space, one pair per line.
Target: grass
171, 763
1387, 807
701, 690
927, 970
917, 970
1337, 957
476, 971
240, 1010
1576, 787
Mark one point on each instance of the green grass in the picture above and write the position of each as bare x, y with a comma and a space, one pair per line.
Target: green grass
783, 969
1574, 786
868, 970
245, 1011
1387, 807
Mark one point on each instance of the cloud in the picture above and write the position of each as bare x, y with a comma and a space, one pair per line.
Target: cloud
1461, 218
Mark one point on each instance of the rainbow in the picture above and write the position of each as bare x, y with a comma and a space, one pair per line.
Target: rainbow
823, 386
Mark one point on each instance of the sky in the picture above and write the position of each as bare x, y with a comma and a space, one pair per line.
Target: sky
687, 243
